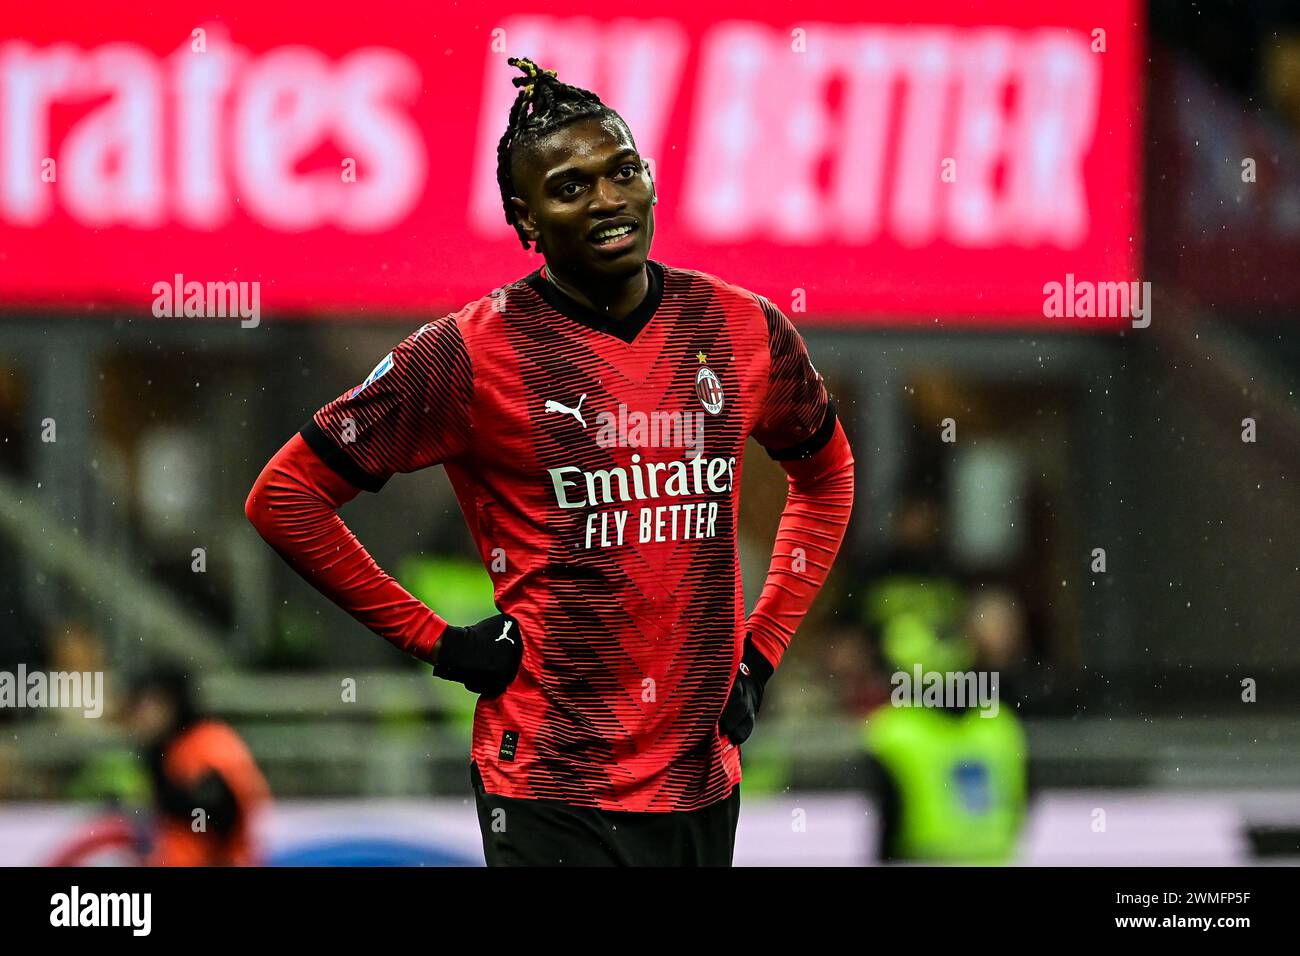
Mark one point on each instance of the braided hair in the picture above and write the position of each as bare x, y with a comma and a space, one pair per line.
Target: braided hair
554, 106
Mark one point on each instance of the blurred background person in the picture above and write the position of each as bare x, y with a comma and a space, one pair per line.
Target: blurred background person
948, 777
207, 788
915, 576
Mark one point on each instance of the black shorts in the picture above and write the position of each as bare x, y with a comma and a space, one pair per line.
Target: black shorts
519, 832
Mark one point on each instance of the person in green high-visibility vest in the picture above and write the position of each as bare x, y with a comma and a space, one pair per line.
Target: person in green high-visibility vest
946, 759
916, 575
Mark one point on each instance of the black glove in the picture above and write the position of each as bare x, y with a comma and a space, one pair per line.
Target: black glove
737, 720
484, 656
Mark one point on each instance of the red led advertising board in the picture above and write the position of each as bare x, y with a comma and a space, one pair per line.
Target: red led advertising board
877, 162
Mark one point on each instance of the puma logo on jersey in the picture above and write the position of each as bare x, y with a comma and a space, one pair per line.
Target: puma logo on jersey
505, 632
553, 406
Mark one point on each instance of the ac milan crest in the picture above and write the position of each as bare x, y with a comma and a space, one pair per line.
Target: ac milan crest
708, 389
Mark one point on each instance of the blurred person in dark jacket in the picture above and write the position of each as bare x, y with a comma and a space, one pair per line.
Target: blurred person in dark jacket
207, 789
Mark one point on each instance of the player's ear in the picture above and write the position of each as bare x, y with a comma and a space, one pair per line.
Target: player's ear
524, 218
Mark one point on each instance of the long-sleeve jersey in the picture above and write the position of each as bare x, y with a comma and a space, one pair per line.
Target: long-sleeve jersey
597, 462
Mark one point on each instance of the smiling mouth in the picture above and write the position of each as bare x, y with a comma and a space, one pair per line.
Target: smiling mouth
614, 236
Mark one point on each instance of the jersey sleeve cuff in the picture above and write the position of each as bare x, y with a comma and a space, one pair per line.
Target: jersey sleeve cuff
329, 452
813, 443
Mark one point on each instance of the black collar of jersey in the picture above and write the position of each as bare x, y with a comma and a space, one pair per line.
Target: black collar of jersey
626, 328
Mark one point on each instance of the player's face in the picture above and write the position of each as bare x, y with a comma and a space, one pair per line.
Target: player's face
578, 181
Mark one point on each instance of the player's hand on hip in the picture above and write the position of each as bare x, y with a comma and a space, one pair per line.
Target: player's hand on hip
746, 698
485, 657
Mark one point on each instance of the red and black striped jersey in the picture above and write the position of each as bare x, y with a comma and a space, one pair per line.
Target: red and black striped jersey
597, 462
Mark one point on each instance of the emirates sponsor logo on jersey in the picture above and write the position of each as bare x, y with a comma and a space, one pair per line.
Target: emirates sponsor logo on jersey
575, 488
605, 528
